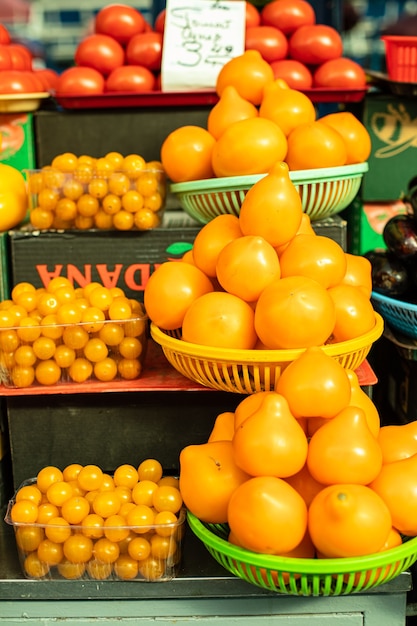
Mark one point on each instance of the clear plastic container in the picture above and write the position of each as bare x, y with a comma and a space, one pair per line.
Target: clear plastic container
85, 200
103, 351
57, 550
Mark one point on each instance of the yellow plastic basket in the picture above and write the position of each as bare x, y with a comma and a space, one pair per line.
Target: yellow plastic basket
324, 192
250, 371
304, 577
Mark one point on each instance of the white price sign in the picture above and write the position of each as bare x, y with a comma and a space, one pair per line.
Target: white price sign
200, 36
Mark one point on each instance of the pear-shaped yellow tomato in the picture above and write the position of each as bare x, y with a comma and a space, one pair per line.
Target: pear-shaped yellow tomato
13, 197
208, 477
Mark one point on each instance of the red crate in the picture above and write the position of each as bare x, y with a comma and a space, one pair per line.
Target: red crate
401, 58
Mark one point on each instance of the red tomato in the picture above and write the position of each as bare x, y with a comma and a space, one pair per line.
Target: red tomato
19, 81
48, 77
120, 22
268, 40
4, 35
315, 44
130, 78
21, 57
296, 74
37, 83
145, 49
76, 81
288, 15
101, 52
159, 23
5, 58
342, 73
252, 15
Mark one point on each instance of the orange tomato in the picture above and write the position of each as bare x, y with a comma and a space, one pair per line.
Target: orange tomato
211, 239
270, 442
272, 208
304, 483
380, 573
294, 312
208, 477
354, 134
47, 476
398, 441
186, 154
267, 515
220, 319
347, 520
230, 108
315, 145
246, 266
305, 228
315, 256
288, 108
28, 538
315, 384
249, 405
249, 73
359, 398
344, 450
396, 485
13, 196
358, 272
170, 291
249, 146
24, 512
224, 427
355, 314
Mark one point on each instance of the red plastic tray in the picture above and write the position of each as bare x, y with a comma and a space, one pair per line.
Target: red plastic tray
323, 94
132, 100
185, 98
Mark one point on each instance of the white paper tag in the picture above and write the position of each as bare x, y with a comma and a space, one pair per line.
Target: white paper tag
200, 36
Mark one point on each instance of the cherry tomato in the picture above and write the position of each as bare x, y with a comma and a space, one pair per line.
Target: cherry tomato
145, 49
101, 52
315, 44
288, 15
80, 81
268, 40
119, 21
130, 78
342, 73
296, 74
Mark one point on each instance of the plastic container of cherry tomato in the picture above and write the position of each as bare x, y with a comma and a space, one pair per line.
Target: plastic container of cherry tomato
401, 57
59, 551
101, 351
94, 200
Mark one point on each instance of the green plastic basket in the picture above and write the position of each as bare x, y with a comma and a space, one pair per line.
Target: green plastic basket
324, 192
304, 577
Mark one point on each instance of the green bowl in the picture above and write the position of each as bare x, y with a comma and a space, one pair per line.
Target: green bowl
324, 192
304, 577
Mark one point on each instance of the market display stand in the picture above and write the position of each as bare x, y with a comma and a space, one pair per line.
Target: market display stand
116, 426
203, 591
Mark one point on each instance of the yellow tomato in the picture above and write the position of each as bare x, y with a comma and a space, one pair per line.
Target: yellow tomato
13, 197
